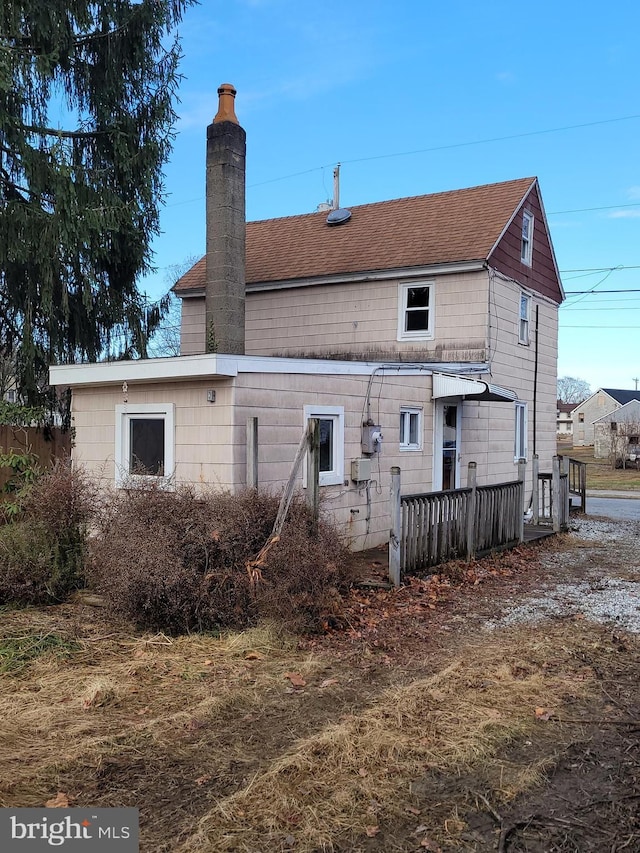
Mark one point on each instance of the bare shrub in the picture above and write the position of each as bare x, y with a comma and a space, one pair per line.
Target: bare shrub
177, 562
42, 550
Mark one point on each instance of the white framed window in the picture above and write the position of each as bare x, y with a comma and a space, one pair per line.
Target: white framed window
526, 245
523, 322
10, 396
520, 444
145, 443
331, 443
410, 428
415, 311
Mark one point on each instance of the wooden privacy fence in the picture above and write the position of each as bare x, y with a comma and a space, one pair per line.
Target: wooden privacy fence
430, 528
47, 445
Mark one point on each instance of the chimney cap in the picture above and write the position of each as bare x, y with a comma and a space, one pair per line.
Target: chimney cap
226, 110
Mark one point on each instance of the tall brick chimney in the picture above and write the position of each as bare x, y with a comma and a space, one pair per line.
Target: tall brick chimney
226, 228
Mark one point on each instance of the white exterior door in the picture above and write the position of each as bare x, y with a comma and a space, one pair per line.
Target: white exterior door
446, 451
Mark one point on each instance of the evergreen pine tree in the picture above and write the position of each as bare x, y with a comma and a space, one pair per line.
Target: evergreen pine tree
87, 89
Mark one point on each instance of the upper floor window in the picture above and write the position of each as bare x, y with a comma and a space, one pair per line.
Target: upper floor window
331, 422
410, 428
415, 311
526, 246
525, 313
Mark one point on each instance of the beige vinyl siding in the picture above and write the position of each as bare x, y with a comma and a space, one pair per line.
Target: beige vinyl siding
278, 402
192, 337
203, 450
355, 321
512, 365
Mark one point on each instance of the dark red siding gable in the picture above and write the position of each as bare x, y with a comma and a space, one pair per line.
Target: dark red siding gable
542, 275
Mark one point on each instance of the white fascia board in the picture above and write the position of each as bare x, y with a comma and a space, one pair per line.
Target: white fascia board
210, 366
353, 278
144, 370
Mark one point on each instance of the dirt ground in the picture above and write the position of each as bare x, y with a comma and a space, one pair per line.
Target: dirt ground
493, 707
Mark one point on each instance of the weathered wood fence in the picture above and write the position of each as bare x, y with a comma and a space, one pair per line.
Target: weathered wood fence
550, 499
430, 528
47, 445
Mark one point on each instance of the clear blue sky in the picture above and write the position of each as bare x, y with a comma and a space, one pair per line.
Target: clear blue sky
399, 93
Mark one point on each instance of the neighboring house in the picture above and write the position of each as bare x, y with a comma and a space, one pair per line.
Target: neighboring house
602, 402
618, 433
564, 421
421, 332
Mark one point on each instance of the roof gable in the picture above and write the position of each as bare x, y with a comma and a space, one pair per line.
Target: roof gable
628, 413
542, 275
622, 396
440, 228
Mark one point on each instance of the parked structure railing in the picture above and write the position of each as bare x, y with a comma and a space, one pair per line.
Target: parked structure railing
431, 528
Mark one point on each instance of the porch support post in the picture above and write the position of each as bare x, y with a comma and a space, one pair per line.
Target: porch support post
470, 532
583, 485
535, 495
252, 453
522, 471
555, 494
313, 471
395, 532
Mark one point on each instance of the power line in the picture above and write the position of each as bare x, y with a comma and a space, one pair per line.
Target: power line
598, 292
447, 147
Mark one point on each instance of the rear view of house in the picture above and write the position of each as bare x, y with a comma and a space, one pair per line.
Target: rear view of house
421, 332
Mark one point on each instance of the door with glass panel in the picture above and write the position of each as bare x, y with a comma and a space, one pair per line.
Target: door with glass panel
446, 467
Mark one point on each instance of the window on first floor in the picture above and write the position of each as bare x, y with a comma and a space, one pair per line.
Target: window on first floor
144, 443
415, 311
614, 426
520, 444
410, 428
331, 422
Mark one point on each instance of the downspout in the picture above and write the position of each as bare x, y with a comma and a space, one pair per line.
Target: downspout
535, 383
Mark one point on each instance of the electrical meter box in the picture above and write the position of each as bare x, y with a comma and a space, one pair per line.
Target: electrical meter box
371, 438
360, 470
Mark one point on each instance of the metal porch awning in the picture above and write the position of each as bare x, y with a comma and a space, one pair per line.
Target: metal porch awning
445, 385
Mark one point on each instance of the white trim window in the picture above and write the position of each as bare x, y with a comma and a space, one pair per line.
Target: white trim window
410, 428
524, 319
145, 443
331, 443
415, 311
526, 244
521, 428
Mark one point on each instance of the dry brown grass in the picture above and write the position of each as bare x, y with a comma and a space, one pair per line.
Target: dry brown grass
600, 474
126, 716
358, 774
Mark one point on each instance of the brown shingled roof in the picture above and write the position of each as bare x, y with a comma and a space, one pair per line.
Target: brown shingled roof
448, 227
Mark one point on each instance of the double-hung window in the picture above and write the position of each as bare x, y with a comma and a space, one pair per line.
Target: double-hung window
523, 323
410, 428
415, 311
520, 444
144, 451
331, 421
526, 245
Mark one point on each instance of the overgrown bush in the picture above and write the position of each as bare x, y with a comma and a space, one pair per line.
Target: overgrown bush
43, 547
177, 562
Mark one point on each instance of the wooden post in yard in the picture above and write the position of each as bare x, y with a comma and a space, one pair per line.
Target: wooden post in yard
395, 532
313, 471
567, 498
522, 472
252, 453
555, 493
535, 496
583, 486
470, 532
